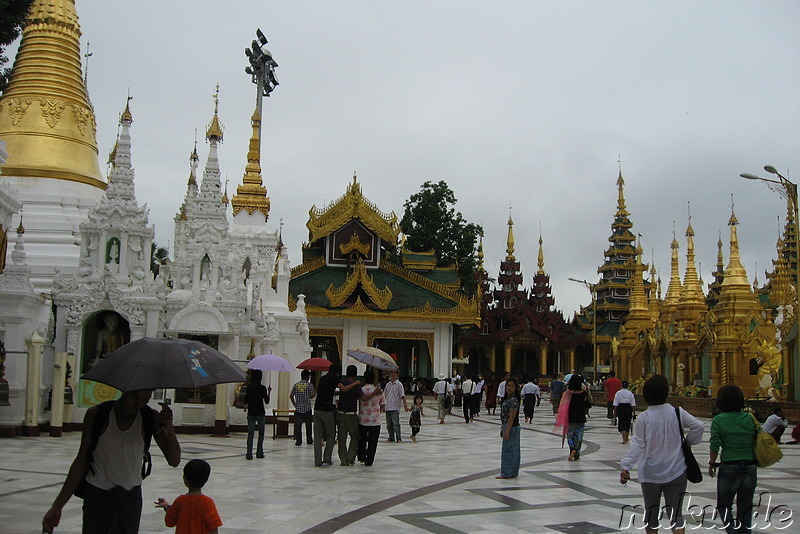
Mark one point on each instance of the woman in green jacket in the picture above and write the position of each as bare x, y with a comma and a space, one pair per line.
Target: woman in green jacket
734, 430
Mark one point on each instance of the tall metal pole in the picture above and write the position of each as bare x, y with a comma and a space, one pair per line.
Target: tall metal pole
788, 190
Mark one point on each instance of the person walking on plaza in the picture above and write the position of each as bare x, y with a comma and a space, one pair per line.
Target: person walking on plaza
109, 463
656, 448
775, 425
611, 385
442, 392
734, 431
369, 419
557, 388
395, 393
193, 513
350, 393
509, 431
477, 396
531, 397
255, 398
467, 387
572, 414
624, 407
301, 395
415, 419
325, 416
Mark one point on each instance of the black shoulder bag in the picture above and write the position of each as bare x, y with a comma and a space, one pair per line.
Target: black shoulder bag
693, 472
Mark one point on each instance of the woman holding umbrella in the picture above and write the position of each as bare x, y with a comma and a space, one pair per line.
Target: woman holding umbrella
256, 397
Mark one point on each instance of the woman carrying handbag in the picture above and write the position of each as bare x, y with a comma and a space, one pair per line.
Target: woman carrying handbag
656, 448
734, 431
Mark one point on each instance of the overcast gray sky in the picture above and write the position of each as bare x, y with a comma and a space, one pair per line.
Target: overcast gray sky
524, 102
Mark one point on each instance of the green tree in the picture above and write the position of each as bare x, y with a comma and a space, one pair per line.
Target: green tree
431, 222
158, 256
12, 20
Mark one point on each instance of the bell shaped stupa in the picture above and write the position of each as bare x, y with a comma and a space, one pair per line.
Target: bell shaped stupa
48, 126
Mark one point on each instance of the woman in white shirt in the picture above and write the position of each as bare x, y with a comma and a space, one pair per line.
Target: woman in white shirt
624, 406
656, 448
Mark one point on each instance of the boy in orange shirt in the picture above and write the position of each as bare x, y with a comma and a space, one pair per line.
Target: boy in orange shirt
193, 513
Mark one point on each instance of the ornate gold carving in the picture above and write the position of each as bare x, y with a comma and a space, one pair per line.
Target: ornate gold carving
81, 118
307, 267
51, 111
427, 337
329, 332
337, 296
352, 205
354, 244
17, 108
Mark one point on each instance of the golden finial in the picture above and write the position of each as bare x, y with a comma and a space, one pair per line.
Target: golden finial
510, 239
225, 194
540, 259
215, 128
126, 115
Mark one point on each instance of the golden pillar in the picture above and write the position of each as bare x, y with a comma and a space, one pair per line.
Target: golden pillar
572, 358
508, 354
492, 359
543, 359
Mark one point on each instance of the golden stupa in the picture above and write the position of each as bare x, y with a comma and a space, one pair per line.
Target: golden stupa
46, 119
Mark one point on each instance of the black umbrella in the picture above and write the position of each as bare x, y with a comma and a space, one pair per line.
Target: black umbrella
150, 363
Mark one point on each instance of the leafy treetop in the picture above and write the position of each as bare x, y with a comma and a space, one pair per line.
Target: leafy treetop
430, 222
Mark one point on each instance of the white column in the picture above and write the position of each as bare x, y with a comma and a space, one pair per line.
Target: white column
33, 383
57, 405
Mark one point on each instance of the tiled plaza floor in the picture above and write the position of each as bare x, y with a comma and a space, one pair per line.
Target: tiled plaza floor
443, 484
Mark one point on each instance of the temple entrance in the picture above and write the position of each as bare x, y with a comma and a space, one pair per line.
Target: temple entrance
412, 352
326, 343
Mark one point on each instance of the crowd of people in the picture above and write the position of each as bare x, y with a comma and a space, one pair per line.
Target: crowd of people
350, 411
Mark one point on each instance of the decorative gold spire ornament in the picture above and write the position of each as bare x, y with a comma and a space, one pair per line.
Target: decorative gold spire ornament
540, 259
692, 291
215, 128
735, 274
510, 238
480, 253
674, 287
252, 195
46, 119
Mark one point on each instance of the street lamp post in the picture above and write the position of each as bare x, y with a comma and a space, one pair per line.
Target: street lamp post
788, 190
262, 68
591, 289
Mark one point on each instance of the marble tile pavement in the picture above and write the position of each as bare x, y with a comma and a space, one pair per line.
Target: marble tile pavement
443, 484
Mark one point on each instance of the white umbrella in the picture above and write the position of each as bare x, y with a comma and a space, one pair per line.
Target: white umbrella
373, 357
269, 362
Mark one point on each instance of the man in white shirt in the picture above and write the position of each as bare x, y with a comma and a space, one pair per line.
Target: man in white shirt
501, 389
775, 425
531, 396
476, 397
442, 391
395, 393
467, 387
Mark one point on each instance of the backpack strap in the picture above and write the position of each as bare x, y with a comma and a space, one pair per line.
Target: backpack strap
147, 434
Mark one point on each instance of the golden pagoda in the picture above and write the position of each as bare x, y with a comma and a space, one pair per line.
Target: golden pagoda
46, 118
738, 336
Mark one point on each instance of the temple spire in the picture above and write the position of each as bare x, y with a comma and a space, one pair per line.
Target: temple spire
692, 291
674, 287
540, 261
48, 122
480, 252
735, 274
251, 196
510, 238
